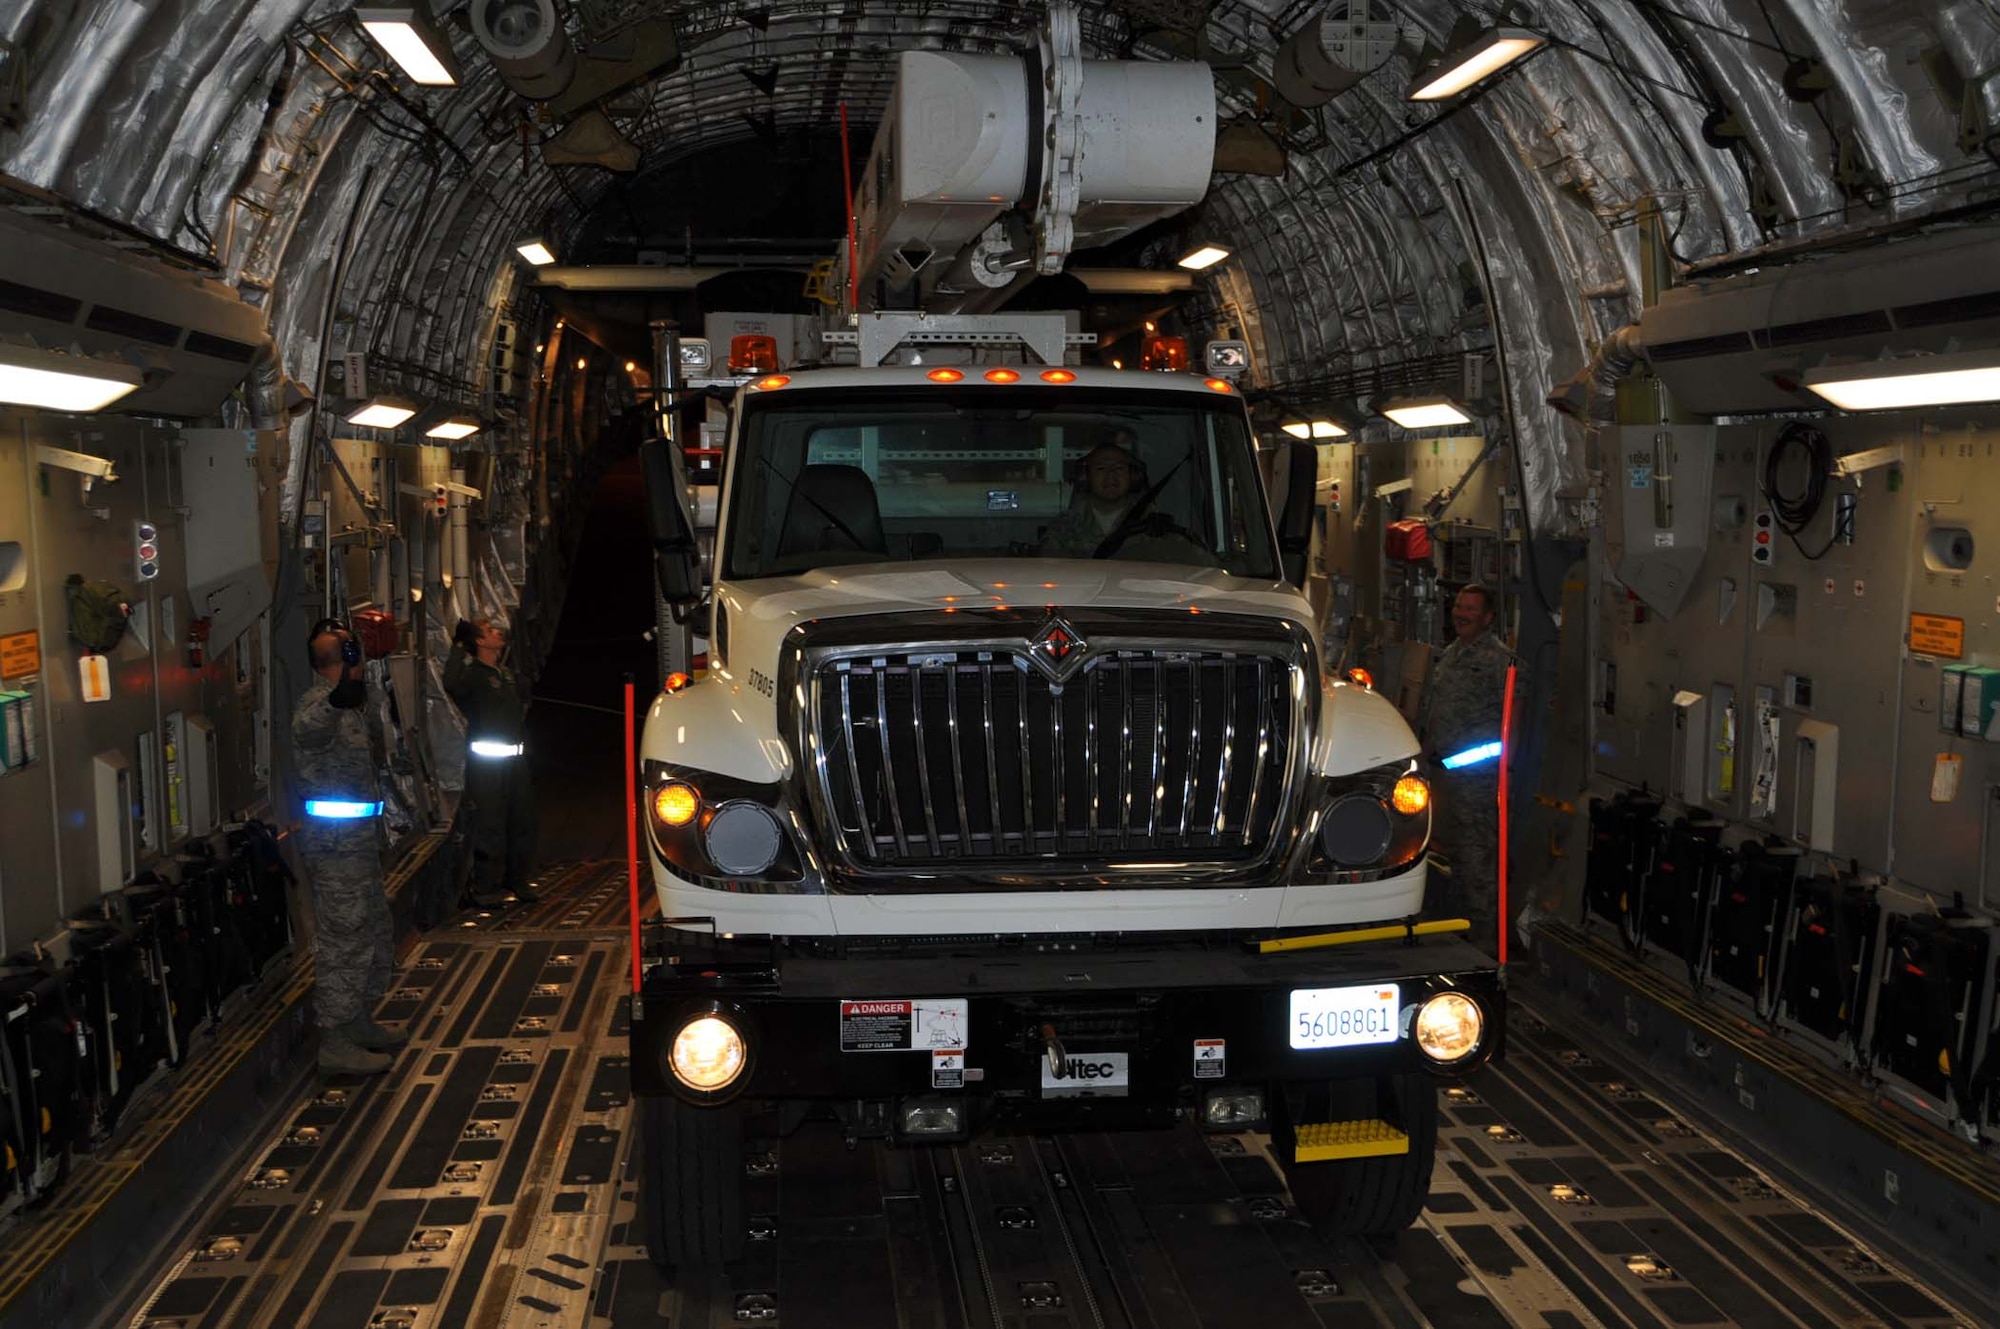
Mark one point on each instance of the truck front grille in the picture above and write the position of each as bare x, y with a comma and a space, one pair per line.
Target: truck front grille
974, 756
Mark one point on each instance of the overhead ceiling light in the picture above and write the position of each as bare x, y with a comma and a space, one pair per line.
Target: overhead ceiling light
412, 40
1298, 428
537, 252
457, 427
54, 381
1432, 412
1928, 380
383, 412
1478, 57
1327, 429
1207, 256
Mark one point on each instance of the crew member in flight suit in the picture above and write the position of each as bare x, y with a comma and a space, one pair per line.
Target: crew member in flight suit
1460, 724
339, 749
497, 791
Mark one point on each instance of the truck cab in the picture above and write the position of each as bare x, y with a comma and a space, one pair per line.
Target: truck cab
1017, 794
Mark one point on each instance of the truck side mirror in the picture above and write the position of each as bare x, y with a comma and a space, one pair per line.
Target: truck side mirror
1300, 476
676, 553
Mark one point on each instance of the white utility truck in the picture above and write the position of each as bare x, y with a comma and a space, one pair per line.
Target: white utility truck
1016, 793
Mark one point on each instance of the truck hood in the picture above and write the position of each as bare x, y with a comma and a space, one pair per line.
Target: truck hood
736, 733
775, 604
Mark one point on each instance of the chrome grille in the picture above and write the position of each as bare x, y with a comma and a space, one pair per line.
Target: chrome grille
975, 756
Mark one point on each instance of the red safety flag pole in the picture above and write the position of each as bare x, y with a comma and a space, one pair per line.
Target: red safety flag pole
1506, 751
632, 822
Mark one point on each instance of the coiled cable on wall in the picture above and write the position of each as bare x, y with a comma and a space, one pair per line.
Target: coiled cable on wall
1793, 512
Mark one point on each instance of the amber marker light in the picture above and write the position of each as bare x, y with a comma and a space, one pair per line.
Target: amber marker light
1219, 385
944, 375
1002, 376
676, 681
773, 381
1058, 376
1361, 678
1411, 795
676, 803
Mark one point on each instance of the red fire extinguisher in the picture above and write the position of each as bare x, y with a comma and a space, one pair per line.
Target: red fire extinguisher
197, 641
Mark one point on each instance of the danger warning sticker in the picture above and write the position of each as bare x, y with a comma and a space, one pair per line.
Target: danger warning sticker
947, 1068
903, 1024
1211, 1058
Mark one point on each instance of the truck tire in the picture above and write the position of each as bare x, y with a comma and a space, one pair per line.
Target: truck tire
691, 1183
1368, 1197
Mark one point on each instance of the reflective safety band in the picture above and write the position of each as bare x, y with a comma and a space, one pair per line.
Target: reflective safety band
340, 810
1472, 756
486, 747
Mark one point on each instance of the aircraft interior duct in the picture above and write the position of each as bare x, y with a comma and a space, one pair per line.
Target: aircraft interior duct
528, 45
267, 387
1740, 344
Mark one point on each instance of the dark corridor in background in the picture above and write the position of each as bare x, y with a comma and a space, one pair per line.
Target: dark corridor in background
574, 737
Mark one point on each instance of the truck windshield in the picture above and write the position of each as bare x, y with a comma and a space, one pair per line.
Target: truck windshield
835, 477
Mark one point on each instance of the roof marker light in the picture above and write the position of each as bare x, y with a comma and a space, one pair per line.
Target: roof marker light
1003, 376
945, 375
1058, 376
771, 381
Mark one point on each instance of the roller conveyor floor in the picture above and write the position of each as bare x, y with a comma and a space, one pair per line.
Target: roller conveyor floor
486, 1181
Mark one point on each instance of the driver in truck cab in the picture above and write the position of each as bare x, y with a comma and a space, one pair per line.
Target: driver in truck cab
1110, 488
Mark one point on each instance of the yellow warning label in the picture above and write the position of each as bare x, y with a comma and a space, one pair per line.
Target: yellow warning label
20, 654
1937, 634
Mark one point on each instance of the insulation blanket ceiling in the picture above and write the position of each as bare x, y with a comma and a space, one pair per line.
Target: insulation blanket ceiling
360, 211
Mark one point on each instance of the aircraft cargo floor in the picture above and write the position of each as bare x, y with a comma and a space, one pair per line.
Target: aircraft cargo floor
486, 1181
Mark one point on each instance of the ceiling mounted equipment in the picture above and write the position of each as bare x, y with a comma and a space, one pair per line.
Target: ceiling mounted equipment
79, 384
535, 250
1331, 53
413, 40
1910, 382
1746, 343
1474, 55
1202, 256
384, 411
527, 44
195, 336
1433, 411
1121, 144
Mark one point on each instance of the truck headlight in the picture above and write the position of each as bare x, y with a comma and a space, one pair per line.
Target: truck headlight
708, 1054
1449, 1027
1356, 830
743, 838
1376, 821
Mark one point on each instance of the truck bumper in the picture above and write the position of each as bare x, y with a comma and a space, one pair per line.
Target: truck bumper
1146, 1031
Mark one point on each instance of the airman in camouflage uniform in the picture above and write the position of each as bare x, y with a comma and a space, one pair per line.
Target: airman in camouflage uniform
339, 748
499, 800
1462, 710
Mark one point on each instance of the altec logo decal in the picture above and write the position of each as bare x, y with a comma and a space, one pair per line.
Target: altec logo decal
1089, 1073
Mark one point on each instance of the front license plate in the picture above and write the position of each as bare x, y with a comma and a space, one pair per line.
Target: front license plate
1344, 1017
